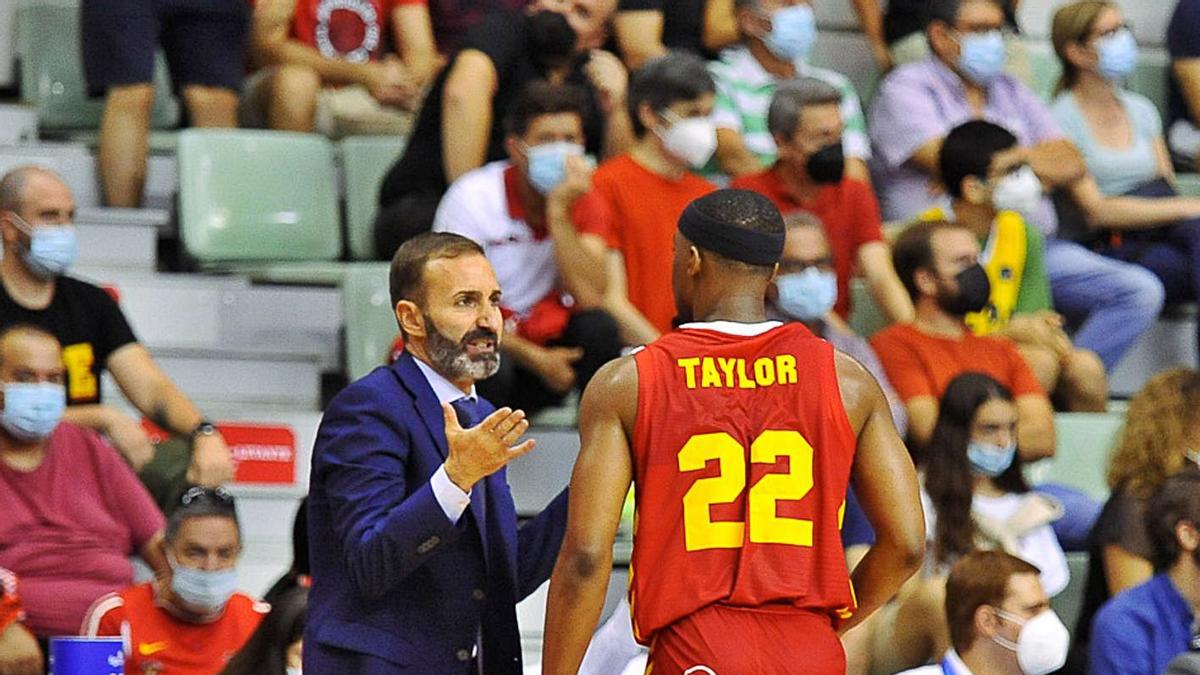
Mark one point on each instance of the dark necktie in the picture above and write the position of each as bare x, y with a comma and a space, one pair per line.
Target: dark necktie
470, 411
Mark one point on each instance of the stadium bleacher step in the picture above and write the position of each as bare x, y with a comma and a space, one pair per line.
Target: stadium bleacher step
72, 161
18, 123
1169, 343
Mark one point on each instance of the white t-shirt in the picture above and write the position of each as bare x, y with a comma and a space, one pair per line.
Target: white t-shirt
1038, 547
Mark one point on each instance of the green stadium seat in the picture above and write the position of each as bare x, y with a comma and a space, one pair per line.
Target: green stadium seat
366, 159
47, 39
1069, 602
866, 318
370, 323
1084, 442
1149, 79
1188, 184
1043, 68
257, 196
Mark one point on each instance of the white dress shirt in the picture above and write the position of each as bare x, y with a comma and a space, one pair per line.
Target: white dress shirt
449, 496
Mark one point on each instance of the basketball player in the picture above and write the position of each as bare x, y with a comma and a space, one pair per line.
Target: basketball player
741, 435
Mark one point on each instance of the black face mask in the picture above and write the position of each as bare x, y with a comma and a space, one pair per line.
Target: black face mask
974, 290
827, 165
550, 36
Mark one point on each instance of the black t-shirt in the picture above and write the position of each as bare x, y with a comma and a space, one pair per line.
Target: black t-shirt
1183, 42
905, 17
683, 21
88, 323
1122, 523
504, 38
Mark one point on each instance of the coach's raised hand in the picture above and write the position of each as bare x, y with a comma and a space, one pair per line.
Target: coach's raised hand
484, 449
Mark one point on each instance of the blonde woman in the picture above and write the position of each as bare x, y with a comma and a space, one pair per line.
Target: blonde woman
1160, 439
1120, 136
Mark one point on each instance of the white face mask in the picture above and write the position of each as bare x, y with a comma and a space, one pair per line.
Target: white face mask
1020, 191
1041, 645
294, 671
692, 140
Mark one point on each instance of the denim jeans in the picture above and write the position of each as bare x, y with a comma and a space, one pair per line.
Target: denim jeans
1080, 512
1111, 302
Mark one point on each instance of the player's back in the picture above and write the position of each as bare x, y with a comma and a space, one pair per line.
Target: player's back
742, 452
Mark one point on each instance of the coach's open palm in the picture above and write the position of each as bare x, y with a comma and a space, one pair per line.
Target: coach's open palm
485, 448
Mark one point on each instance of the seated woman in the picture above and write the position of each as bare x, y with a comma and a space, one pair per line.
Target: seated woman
1161, 438
1120, 136
276, 646
975, 498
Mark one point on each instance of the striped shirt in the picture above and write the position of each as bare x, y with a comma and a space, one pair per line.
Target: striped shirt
744, 92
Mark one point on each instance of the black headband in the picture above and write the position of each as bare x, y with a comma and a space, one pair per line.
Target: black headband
730, 241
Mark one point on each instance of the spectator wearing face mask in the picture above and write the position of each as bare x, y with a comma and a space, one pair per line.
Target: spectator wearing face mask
777, 37
670, 102
1111, 302
805, 120
36, 210
191, 619
1141, 630
992, 186
74, 513
1120, 135
1000, 620
975, 498
938, 263
547, 233
460, 125
1160, 438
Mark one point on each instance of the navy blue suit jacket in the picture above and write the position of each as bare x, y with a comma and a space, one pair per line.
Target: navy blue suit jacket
398, 588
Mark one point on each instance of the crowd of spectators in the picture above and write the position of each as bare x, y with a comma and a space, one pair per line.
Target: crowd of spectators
1016, 247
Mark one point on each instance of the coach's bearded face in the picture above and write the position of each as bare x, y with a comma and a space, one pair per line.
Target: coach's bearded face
474, 355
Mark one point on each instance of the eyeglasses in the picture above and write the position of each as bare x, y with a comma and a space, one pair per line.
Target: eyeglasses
218, 496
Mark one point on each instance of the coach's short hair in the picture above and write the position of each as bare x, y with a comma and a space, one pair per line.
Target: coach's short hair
406, 279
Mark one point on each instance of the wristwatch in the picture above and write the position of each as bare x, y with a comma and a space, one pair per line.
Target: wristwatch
204, 428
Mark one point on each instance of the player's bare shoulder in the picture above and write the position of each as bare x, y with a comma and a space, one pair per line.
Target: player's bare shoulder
861, 395
612, 390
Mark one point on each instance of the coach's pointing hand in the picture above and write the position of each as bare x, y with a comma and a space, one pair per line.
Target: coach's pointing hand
483, 449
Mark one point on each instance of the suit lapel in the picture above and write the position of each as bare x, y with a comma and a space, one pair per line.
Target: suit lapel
424, 400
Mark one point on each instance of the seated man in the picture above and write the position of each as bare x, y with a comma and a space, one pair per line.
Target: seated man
205, 48
73, 511
546, 234
1141, 630
1000, 620
189, 619
19, 651
36, 209
917, 105
776, 39
992, 188
670, 102
938, 263
460, 125
804, 290
327, 70
805, 120
1183, 85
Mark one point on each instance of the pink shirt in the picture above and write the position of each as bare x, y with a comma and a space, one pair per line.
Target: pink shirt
68, 528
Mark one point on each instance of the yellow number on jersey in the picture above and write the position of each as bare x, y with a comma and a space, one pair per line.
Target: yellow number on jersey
766, 526
78, 360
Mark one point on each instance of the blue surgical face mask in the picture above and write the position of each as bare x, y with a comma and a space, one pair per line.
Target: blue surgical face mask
32, 409
982, 56
52, 248
807, 295
990, 459
208, 590
793, 32
1118, 55
548, 164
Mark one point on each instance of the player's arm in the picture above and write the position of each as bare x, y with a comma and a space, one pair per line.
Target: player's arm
603, 472
886, 485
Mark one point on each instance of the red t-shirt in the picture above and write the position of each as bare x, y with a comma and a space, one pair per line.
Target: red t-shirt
157, 642
919, 364
741, 454
646, 209
349, 30
848, 210
68, 528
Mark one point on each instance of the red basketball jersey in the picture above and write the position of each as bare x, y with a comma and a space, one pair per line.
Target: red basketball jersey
742, 453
